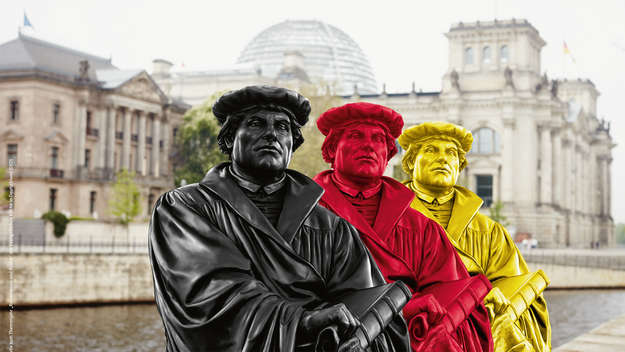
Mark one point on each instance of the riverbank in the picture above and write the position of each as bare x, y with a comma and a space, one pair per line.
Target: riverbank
609, 336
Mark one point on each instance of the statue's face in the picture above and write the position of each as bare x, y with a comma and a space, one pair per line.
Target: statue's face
361, 152
263, 143
437, 165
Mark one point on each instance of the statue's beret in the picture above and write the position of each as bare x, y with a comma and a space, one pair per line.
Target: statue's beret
248, 97
431, 130
361, 112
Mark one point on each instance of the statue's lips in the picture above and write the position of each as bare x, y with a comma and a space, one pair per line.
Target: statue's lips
366, 158
440, 169
267, 148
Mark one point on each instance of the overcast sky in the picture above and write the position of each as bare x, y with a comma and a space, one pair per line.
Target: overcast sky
403, 40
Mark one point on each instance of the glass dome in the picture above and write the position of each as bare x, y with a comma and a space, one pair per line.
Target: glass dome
328, 53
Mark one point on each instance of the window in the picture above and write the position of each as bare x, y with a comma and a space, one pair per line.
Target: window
87, 157
55, 158
12, 154
56, 110
92, 196
485, 188
504, 54
52, 198
485, 141
468, 56
486, 55
88, 119
14, 110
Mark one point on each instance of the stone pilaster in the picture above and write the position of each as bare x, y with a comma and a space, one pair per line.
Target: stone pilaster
126, 117
558, 168
156, 135
164, 153
545, 166
100, 161
82, 134
507, 171
111, 117
141, 162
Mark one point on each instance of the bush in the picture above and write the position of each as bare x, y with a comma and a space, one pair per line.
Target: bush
58, 219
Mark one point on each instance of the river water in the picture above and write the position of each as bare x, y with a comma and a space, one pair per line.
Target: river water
138, 327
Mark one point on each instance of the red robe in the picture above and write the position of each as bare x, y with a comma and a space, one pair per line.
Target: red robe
410, 247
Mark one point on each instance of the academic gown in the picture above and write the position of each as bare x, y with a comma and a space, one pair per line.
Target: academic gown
408, 246
225, 279
486, 248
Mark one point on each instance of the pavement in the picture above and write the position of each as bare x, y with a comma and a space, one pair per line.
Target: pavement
607, 337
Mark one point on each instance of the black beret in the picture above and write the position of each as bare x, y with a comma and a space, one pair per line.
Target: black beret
248, 97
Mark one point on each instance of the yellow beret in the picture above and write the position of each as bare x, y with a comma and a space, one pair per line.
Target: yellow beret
430, 130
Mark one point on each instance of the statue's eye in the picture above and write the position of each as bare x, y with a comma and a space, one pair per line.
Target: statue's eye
283, 127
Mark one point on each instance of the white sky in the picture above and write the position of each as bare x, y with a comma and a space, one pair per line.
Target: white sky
403, 39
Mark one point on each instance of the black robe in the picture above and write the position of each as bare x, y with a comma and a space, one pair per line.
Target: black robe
225, 279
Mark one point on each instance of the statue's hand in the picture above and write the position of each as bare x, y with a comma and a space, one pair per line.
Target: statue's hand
425, 304
495, 303
312, 322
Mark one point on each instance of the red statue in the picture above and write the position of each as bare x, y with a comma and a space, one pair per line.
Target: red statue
445, 313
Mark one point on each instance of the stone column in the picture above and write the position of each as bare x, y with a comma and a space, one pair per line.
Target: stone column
508, 143
578, 178
164, 153
604, 186
111, 117
141, 164
156, 136
127, 131
545, 165
558, 166
101, 117
82, 134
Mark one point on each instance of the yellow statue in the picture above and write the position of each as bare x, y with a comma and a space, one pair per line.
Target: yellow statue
435, 155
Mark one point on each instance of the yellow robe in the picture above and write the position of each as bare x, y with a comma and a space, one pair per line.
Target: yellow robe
486, 247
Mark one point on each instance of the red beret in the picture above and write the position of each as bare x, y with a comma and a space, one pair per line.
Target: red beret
361, 112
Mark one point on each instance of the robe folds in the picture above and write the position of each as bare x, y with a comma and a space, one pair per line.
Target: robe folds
226, 279
486, 248
408, 246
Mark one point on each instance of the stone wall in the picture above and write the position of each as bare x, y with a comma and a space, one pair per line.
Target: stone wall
58, 279
574, 277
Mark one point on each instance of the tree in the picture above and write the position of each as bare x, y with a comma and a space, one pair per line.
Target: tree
125, 203
4, 200
195, 147
307, 158
496, 213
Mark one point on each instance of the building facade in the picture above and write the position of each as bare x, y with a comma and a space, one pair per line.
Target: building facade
538, 148
72, 120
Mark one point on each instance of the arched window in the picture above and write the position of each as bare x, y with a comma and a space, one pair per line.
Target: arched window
468, 56
504, 54
486, 55
485, 141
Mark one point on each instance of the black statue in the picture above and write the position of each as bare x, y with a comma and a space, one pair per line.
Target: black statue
246, 260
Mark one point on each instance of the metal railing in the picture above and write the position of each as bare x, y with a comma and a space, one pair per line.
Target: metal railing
113, 246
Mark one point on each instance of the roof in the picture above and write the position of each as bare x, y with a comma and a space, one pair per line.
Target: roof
28, 53
113, 78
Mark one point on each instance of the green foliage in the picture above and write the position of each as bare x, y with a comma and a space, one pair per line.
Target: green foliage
307, 158
496, 213
80, 218
58, 219
3, 185
125, 202
619, 232
195, 147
